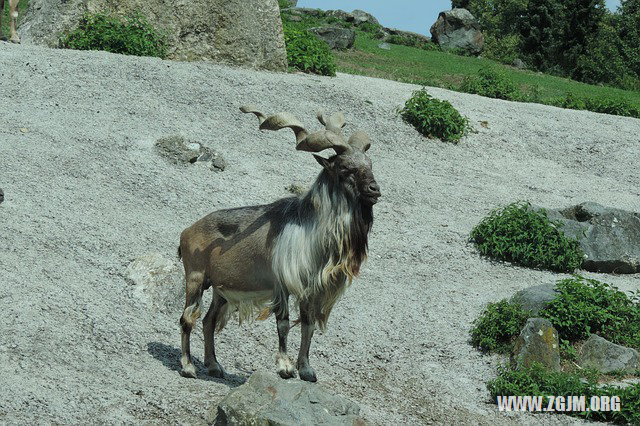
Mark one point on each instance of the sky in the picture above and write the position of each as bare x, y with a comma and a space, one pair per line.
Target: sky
408, 15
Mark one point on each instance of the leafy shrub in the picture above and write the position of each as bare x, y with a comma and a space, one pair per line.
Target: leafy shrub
133, 35
372, 29
492, 84
497, 326
307, 53
537, 380
584, 306
502, 49
433, 117
521, 235
605, 106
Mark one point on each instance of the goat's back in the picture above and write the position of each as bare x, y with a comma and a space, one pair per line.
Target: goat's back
233, 247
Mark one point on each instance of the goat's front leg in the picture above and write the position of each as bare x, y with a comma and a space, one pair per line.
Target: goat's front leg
284, 365
13, 5
308, 326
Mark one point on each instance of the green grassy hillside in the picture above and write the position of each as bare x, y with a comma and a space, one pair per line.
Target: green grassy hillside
436, 68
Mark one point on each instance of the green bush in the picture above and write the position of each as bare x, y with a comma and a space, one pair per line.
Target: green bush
497, 326
434, 118
502, 49
307, 53
133, 35
584, 306
492, 84
521, 235
537, 380
601, 105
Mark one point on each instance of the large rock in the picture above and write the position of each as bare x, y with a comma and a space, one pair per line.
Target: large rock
609, 237
341, 15
538, 342
336, 37
266, 399
458, 29
360, 17
535, 298
606, 357
237, 32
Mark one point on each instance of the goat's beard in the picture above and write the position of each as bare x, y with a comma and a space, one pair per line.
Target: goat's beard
359, 233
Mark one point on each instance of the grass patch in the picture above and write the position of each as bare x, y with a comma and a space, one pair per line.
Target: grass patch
492, 84
131, 35
439, 69
526, 237
434, 118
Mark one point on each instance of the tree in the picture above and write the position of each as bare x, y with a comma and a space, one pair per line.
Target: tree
584, 18
459, 3
541, 27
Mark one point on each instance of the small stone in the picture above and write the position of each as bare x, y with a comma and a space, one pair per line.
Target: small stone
604, 356
538, 342
535, 298
1, 195
24, 130
384, 46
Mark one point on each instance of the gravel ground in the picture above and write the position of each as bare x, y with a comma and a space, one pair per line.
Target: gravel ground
85, 194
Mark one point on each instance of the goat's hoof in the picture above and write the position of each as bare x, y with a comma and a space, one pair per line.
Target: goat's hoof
216, 370
15, 40
285, 367
3, 38
189, 371
307, 374
287, 373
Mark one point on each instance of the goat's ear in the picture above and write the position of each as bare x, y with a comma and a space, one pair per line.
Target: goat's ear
324, 162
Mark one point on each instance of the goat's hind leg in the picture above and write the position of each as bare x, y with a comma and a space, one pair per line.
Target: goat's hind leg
13, 6
284, 366
192, 311
215, 316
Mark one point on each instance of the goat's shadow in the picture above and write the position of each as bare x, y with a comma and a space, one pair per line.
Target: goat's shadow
170, 358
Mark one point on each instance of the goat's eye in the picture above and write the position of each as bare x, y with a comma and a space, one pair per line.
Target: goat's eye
345, 170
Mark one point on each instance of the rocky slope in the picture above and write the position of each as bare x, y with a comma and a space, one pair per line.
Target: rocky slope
86, 193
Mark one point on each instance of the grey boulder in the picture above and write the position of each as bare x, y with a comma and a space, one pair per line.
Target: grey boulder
604, 356
458, 29
537, 342
266, 399
237, 32
336, 37
609, 237
360, 17
535, 298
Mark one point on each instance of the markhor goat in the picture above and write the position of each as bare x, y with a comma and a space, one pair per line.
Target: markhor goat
310, 247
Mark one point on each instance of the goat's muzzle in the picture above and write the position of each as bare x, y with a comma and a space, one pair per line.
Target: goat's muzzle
372, 193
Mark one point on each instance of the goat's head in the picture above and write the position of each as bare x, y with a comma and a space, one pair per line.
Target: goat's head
350, 167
